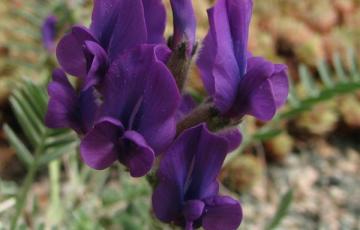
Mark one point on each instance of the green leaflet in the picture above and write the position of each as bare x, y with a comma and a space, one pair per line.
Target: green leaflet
282, 210
29, 103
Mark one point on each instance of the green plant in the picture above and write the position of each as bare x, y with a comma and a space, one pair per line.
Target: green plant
28, 103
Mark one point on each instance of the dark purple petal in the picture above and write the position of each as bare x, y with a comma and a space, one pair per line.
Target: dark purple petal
118, 25
155, 18
239, 16
222, 212
98, 67
175, 167
66, 108
233, 137
167, 200
141, 92
86, 110
187, 104
217, 61
188, 171
48, 31
184, 22
137, 155
70, 51
62, 101
208, 157
193, 209
262, 90
162, 53
99, 148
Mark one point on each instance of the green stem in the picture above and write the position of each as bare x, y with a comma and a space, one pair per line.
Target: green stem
21, 198
55, 211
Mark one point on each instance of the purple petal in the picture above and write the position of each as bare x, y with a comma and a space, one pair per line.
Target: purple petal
62, 101
118, 25
188, 171
184, 22
66, 108
98, 67
99, 147
155, 18
239, 16
222, 212
141, 92
233, 137
174, 168
193, 209
70, 51
255, 94
167, 201
280, 84
187, 104
48, 30
137, 155
209, 152
86, 110
217, 61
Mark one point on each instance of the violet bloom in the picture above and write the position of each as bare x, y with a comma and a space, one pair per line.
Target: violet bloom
239, 84
137, 117
67, 108
184, 23
117, 25
188, 192
48, 31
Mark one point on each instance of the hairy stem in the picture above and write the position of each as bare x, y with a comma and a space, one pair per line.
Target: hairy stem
203, 113
179, 64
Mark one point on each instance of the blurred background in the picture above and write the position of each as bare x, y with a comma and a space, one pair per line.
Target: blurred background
299, 171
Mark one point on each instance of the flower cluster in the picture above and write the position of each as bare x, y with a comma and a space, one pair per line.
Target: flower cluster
128, 104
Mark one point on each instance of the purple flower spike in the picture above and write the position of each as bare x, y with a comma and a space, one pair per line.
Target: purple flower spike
138, 112
68, 109
48, 31
188, 192
184, 23
238, 83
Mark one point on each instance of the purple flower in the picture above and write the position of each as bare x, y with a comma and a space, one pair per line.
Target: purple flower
117, 25
184, 23
67, 108
188, 192
239, 84
48, 31
137, 117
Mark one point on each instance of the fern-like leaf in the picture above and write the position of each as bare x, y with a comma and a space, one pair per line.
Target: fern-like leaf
28, 103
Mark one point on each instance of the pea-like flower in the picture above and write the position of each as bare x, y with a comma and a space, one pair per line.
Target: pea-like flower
137, 118
238, 83
48, 32
117, 25
187, 193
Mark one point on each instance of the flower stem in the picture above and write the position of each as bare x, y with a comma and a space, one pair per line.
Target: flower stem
203, 113
179, 64
21, 197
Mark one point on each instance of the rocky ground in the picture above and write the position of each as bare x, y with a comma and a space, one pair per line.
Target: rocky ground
326, 185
